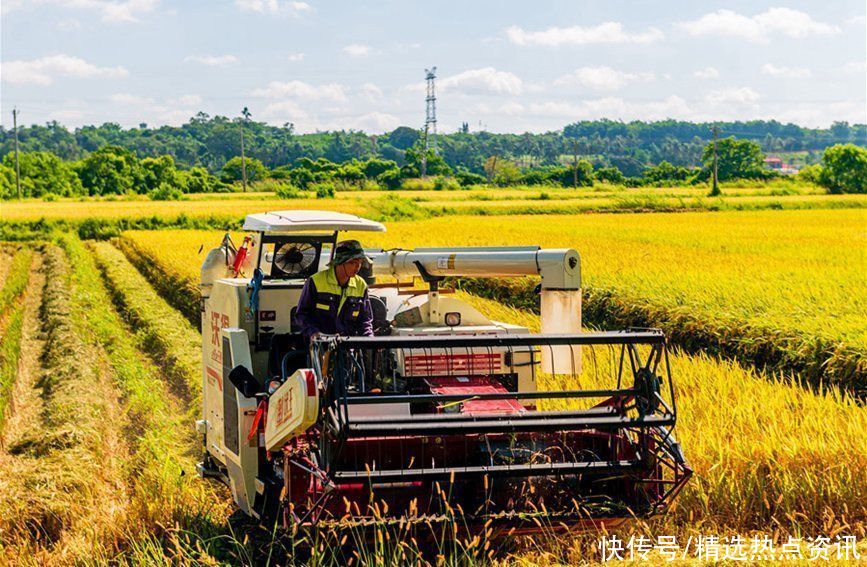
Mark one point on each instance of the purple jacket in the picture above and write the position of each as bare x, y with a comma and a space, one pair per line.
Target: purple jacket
326, 307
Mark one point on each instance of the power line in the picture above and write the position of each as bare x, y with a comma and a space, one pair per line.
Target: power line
17, 167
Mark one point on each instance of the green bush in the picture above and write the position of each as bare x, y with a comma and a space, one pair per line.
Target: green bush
323, 190
579, 174
287, 191
446, 184
611, 175
468, 178
389, 179
166, 192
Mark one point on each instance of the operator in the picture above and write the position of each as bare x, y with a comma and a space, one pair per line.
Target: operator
335, 300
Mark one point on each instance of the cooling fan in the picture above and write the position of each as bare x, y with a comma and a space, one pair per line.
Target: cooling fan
294, 259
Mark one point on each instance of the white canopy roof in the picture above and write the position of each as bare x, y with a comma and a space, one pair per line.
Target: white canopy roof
295, 221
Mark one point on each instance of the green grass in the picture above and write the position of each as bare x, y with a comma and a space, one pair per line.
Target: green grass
11, 323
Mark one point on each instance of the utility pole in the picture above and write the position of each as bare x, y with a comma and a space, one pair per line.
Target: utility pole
17, 167
430, 118
574, 163
715, 192
246, 114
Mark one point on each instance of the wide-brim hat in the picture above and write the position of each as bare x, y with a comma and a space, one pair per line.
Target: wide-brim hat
349, 250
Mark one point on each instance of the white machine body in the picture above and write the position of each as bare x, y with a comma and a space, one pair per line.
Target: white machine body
237, 332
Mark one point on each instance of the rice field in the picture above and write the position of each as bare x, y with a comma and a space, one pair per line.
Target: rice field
488, 201
100, 378
781, 289
766, 452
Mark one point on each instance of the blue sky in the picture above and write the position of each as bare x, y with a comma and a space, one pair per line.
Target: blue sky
502, 66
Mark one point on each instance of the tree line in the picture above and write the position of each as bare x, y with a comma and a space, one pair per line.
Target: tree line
211, 141
115, 170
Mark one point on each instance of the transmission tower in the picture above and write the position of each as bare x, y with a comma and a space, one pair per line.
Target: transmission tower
430, 118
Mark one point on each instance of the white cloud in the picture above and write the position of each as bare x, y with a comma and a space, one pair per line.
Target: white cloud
602, 78
274, 7
66, 115
786, 72
608, 32
300, 90
129, 99
476, 81
357, 50
706, 73
855, 68
734, 95
371, 92
613, 108
211, 60
373, 122
43, 71
108, 10
190, 100
295, 57
758, 28
286, 111
69, 25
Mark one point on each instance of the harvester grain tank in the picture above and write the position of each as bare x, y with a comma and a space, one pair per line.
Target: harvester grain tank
441, 396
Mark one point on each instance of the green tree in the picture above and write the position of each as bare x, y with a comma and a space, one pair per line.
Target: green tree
7, 182
579, 174
111, 170
198, 180
436, 165
736, 159
159, 170
611, 175
845, 169
256, 170
43, 173
374, 167
664, 171
403, 137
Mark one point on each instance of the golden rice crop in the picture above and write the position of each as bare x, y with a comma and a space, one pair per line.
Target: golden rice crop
766, 453
787, 289
487, 201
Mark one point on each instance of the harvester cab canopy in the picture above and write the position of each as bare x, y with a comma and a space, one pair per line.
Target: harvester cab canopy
302, 221
297, 244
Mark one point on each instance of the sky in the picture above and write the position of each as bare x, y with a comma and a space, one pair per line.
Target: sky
501, 66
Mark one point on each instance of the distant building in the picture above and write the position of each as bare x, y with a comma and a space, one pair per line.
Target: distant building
777, 164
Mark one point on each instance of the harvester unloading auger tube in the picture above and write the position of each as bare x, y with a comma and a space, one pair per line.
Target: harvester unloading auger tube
441, 401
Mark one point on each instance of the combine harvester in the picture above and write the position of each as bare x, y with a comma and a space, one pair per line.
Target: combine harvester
441, 401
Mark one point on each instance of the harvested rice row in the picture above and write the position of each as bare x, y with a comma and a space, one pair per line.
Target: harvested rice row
25, 403
61, 491
16, 277
11, 324
162, 331
164, 490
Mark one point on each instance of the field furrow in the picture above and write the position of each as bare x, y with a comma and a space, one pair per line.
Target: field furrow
11, 324
25, 403
164, 490
64, 493
161, 330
